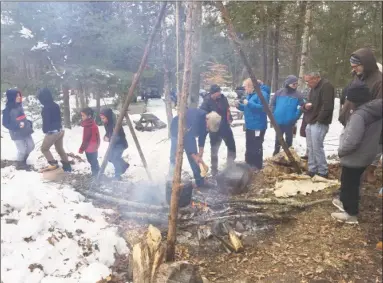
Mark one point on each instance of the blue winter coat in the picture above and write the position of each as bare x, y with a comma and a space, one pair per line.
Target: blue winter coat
285, 106
255, 116
195, 126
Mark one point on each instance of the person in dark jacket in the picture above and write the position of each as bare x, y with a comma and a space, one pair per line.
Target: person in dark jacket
366, 69
20, 128
358, 144
255, 123
217, 102
90, 139
197, 124
285, 106
54, 133
319, 110
115, 156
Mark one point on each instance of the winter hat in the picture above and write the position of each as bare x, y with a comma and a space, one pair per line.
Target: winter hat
214, 89
213, 120
355, 60
358, 93
290, 80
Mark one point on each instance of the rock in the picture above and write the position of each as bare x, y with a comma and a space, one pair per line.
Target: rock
234, 178
205, 280
239, 227
180, 272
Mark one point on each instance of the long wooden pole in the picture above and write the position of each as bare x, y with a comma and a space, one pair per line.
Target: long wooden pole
176, 186
129, 98
234, 39
177, 47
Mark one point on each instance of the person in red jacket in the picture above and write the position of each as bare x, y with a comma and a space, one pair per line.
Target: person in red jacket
90, 139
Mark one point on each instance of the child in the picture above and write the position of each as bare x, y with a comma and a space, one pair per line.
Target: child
54, 134
357, 148
120, 166
19, 127
90, 139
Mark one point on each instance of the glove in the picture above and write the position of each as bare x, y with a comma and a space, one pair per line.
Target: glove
245, 101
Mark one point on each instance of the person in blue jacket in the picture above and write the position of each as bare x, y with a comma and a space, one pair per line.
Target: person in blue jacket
20, 128
255, 123
285, 106
198, 123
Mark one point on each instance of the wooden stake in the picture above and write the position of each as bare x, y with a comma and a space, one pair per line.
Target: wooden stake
129, 98
234, 39
171, 238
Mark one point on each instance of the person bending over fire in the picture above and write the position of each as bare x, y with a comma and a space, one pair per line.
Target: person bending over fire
198, 123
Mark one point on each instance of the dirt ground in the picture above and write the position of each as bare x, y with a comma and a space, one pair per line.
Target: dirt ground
311, 248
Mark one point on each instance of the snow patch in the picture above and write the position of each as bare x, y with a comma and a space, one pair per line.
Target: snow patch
26, 33
40, 46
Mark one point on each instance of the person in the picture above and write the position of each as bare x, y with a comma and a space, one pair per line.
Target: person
197, 123
255, 123
54, 134
115, 156
366, 69
285, 106
90, 139
20, 128
357, 148
217, 102
319, 110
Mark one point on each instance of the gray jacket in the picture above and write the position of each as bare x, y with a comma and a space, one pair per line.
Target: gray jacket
359, 141
16, 116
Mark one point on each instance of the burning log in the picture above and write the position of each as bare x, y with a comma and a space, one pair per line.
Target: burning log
275, 201
235, 241
146, 217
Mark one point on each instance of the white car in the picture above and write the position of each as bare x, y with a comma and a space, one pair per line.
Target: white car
228, 92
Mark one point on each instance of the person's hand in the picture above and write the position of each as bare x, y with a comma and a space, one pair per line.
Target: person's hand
106, 139
22, 124
80, 151
308, 106
245, 101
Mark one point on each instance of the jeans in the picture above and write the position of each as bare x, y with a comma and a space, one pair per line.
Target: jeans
215, 142
24, 148
349, 189
92, 159
194, 166
254, 148
315, 135
56, 139
115, 157
286, 130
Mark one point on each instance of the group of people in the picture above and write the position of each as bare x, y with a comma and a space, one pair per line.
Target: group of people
21, 129
360, 142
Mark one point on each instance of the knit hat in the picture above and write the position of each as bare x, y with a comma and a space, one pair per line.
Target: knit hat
214, 89
355, 60
290, 80
358, 93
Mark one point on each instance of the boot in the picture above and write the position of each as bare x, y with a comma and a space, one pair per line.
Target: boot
66, 166
52, 165
125, 167
22, 165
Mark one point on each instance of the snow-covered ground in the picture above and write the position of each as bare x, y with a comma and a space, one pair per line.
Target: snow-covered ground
52, 225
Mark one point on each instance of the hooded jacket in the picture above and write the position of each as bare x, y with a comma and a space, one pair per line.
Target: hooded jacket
51, 113
285, 105
222, 107
322, 98
109, 126
90, 137
255, 116
371, 76
195, 126
13, 116
359, 141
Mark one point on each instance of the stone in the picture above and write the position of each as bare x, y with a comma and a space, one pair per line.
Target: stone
178, 272
239, 227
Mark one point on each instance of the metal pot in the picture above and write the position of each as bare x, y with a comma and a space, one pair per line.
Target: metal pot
185, 194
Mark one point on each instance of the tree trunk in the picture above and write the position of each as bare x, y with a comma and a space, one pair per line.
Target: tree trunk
276, 46
98, 106
66, 107
264, 45
178, 47
129, 98
298, 37
305, 44
77, 99
168, 102
270, 54
234, 39
172, 231
81, 93
196, 55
